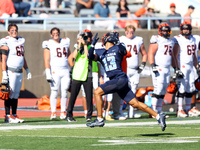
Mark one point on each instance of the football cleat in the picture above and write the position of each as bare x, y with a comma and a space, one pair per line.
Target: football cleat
96, 123
62, 115
191, 113
195, 110
70, 119
181, 114
120, 117
10, 119
88, 120
18, 119
53, 116
161, 121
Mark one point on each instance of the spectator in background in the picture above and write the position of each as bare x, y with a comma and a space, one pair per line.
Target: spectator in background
173, 23
123, 11
188, 14
101, 10
80, 4
20, 5
149, 13
6, 8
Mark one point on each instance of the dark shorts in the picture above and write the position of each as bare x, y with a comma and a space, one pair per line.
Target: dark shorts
119, 84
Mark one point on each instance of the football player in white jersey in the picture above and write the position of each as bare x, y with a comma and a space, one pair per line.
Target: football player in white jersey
135, 45
56, 52
184, 52
13, 61
160, 59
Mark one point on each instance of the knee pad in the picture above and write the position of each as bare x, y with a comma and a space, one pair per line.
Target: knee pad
188, 95
161, 96
155, 95
181, 95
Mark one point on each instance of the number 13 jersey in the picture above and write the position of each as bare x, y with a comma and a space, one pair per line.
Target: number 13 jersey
15, 57
58, 52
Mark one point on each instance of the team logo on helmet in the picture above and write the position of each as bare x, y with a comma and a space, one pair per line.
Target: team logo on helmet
186, 26
164, 27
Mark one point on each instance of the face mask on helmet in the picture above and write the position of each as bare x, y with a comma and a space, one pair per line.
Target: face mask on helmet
186, 27
167, 33
112, 37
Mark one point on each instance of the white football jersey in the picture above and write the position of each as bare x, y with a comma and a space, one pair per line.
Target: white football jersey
187, 49
163, 54
15, 57
132, 45
197, 37
58, 52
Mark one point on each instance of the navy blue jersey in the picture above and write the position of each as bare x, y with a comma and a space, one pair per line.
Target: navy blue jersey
111, 59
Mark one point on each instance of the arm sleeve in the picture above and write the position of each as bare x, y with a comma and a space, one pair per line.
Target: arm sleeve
3, 42
122, 49
174, 40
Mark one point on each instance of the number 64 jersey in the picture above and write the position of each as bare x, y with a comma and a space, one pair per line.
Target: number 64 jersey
164, 52
58, 52
16, 51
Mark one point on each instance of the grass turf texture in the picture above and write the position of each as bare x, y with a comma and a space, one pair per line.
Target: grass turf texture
175, 137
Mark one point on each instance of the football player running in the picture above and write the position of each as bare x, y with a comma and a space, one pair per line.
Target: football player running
160, 58
135, 45
56, 52
184, 52
111, 57
13, 60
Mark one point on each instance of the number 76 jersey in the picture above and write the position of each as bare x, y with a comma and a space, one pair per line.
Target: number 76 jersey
58, 52
15, 57
163, 55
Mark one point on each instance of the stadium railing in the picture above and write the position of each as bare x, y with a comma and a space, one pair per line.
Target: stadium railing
82, 19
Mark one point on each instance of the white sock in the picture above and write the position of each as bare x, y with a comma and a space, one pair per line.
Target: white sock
99, 119
188, 103
63, 104
131, 111
158, 117
180, 103
154, 101
159, 105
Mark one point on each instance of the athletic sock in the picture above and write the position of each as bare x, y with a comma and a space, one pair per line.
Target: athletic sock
7, 106
99, 119
14, 105
187, 103
159, 105
180, 103
154, 101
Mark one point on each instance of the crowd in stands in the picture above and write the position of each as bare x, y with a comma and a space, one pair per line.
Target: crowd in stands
100, 9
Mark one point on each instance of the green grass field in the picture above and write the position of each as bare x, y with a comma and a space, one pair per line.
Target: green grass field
134, 134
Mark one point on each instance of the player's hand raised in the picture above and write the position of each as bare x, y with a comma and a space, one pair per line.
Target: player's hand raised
95, 40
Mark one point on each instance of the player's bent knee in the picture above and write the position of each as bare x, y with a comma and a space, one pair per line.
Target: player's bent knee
98, 92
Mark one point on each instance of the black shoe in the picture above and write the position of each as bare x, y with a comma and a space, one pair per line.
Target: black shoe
70, 119
96, 123
161, 121
88, 120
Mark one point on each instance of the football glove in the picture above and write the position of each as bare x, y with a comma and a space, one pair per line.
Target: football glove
5, 92
4, 78
141, 67
95, 39
28, 74
49, 77
178, 73
198, 69
154, 68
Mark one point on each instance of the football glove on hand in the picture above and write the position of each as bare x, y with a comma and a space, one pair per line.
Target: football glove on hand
4, 78
28, 74
178, 73
95, 39
154, 68
4, 92
141, 67
49, 77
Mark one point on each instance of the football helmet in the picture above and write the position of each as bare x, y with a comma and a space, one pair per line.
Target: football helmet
112, 37
5, 92
172, 88
197, 84
164, 27
87, 33
186, 25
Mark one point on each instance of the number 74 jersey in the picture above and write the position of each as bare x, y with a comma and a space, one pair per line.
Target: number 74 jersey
16, 51
163, 55
58, 52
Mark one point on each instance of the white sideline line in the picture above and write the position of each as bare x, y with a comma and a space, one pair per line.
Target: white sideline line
30, 127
